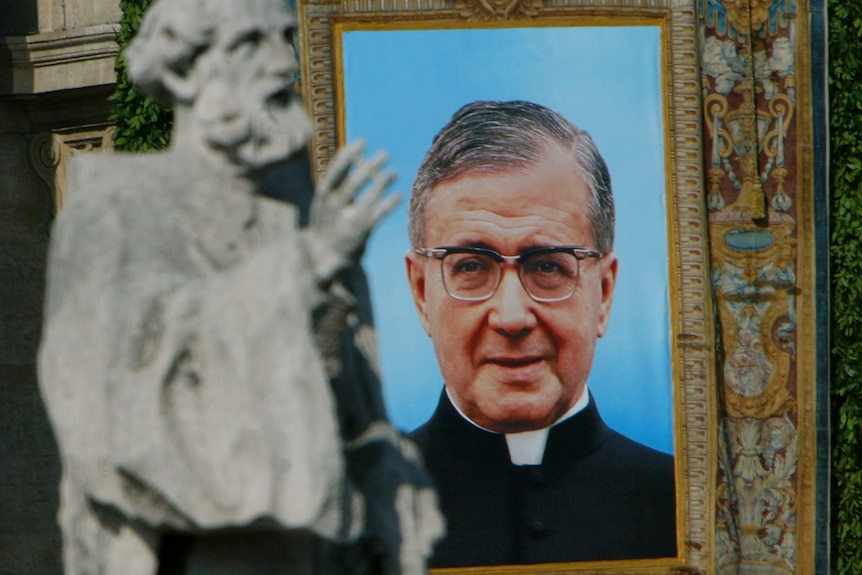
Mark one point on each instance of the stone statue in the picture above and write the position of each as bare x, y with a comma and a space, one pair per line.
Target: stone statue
207, 358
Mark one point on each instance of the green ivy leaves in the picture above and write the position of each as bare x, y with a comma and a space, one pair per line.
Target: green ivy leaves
845, 103
142, 124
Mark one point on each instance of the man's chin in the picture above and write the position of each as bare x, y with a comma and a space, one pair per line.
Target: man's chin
271, 136
511, 406
516, 426
517, 418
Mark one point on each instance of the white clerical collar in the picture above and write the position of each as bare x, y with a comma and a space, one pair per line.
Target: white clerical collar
528, 447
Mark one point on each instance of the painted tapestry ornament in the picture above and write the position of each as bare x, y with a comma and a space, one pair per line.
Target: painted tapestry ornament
208, 358
750, 112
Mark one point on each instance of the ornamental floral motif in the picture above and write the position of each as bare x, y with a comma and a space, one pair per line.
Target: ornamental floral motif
734, 18
750, 130
756, 512
485, 10
748, 76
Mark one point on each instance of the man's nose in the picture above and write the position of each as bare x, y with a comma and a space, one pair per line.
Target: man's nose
512, 307
281, 56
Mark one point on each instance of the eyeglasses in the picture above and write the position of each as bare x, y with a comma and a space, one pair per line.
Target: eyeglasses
473, 274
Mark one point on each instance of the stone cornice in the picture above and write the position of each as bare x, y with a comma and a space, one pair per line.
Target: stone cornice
52, 61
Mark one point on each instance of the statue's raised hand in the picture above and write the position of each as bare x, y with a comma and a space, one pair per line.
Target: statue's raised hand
341, 219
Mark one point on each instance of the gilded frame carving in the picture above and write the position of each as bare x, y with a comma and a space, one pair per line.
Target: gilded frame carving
320, 24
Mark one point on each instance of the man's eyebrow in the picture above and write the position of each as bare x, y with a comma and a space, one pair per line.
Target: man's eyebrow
257, 33
252, 33
487, 246
532, 247
473, 244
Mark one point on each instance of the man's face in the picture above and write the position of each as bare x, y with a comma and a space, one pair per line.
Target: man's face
245, 99
510, 363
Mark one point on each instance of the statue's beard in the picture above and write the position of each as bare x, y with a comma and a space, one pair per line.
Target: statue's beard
256, 128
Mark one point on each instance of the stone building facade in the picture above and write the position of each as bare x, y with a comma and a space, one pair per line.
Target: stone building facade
56, 73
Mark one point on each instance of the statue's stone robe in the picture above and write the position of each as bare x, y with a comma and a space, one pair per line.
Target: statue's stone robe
178, 363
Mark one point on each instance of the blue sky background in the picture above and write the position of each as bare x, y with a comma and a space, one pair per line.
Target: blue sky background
400, 87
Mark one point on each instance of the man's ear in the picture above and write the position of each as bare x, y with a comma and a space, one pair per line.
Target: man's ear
608, 269
416, 277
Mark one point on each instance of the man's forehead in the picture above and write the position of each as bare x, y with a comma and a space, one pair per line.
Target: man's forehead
249, 15
502, 165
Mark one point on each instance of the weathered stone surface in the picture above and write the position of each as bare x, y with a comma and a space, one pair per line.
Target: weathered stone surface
28, 16
179, 364
207, 358
30, 470
30, 541
65, 59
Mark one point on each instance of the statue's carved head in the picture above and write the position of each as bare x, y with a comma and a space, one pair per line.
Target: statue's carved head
227, 67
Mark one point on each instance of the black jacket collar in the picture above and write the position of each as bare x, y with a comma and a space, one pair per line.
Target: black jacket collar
576, 437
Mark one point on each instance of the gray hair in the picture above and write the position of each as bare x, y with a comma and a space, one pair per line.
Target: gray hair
488, 136
174, 33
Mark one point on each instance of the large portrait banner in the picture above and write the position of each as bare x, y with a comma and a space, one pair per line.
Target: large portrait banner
394, 76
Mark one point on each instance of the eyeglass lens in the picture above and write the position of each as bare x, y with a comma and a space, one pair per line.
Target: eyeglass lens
546, 276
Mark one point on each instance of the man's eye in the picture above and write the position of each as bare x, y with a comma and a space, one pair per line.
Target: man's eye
249, 40
467, 267
289, 35
470, 266
551, 266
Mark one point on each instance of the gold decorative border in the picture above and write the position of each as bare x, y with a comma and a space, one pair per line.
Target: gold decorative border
691, 304
808, 330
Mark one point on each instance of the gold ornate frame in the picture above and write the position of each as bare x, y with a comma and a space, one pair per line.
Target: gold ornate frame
322, 22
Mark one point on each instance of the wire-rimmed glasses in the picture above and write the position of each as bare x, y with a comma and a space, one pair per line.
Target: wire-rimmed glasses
548, 274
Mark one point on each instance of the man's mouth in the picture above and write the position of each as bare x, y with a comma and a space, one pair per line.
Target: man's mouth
514, 361
281, 97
